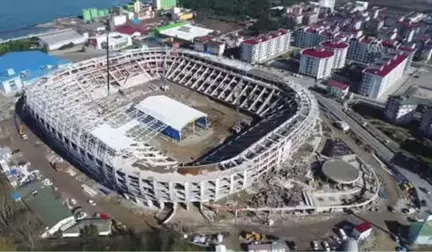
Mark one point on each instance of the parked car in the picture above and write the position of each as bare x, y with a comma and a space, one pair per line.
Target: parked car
91, 202
342, 234
336, 239
325, 245
314, 245
425, 190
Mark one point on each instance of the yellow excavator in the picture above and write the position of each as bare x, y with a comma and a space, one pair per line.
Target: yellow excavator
22, 133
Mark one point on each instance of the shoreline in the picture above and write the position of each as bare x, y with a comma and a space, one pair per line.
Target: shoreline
31, 30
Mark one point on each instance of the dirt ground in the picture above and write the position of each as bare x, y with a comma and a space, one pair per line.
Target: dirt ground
195, 141
217, 25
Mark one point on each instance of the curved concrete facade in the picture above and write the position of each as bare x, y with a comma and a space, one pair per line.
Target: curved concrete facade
69, 104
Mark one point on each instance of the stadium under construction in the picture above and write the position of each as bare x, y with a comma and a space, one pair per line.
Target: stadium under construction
175, 126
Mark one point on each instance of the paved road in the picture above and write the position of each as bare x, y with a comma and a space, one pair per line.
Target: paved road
382, 151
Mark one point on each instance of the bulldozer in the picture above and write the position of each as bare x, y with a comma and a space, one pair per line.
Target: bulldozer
253, 236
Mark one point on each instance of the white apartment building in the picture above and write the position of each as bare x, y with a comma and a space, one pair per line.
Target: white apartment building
400, 109
378, 77
327, 4
266, 46
340, 50
311, 36
364, 49
316, 62
426, 122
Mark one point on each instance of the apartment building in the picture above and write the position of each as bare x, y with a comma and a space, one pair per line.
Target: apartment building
340, 50
400, 109
385, 71
266, 46
316, 62
426, 122
311, 36
364, 49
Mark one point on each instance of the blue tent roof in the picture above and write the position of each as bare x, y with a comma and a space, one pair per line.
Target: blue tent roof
32, 61
16, 196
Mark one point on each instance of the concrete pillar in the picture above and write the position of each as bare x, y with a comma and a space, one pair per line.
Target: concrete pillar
231, 184
217, 185
161, 204
187, 206
244, 178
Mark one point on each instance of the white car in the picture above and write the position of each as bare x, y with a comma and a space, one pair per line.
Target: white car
91, 202
325, 245
73, 201
314, 245
342, 234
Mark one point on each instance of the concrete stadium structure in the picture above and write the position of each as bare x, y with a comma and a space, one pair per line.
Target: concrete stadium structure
70, 104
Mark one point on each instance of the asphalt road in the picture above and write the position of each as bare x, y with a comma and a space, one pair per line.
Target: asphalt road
381, 150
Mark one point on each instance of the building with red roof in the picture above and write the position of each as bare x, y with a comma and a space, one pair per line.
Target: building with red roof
362, 231
381, 75
337, 89
340, 50
265, 46
316, 62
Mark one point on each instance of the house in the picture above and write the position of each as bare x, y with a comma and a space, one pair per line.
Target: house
362, 231
337, 89
19, 69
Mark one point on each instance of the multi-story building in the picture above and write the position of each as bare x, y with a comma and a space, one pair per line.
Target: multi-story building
327, 4
375, 24
365, 49
209, 45
400, 109
378, 77
408, 50
316, 62
266, 46
426, 122
340, 50
387, 33
310, 18
311, 36
164, 4
337, 89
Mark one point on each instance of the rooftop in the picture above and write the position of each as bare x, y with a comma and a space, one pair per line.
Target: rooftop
317, 53
60, 36
103, 225
186, 32
334, 44
363, 227
337, 84
33, 63
44, 203
169, 111
406, 48
126, 29
340, 171
367, 40
265, 37
387, 67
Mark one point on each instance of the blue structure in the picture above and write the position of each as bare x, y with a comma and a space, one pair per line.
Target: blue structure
18, 69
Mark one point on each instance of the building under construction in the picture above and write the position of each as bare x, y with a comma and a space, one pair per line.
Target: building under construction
162, 132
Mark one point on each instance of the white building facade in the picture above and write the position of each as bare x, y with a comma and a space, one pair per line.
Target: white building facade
400, 109
266, 46
117, 41
340, 50
316, 62
381, 75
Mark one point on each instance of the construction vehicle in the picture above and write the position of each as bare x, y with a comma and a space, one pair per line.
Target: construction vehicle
53, 165
22, 133
253, 236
